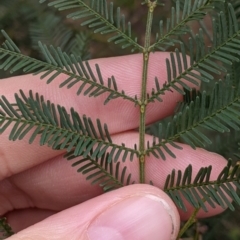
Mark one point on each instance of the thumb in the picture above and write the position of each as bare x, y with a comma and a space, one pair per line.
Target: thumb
133, 212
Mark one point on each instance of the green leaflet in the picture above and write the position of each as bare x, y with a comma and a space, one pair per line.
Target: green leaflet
99, 16
181, 187
58, 62
201, 67
58, 128
218, 112
100, 171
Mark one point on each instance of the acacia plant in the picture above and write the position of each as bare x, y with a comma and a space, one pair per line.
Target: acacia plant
208, 57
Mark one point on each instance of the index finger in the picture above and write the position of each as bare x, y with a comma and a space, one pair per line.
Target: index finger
127, 71
119, 114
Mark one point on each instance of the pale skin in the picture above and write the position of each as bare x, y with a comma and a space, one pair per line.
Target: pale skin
36, 183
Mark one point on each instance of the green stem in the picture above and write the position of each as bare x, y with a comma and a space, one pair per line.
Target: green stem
189, 223
143, 101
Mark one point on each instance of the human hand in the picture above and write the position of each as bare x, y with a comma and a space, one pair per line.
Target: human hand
38, 186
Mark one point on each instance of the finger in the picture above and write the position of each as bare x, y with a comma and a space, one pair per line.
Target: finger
55, 185
120, 115
128, 73
21, 219
133, 212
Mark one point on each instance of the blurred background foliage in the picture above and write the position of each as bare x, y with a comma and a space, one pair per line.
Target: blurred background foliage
27, 22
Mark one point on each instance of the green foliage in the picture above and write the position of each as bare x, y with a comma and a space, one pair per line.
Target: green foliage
56, 63
5, 229
100, 169
219, 112
99, 16
201, 189
209, 58
49, 29
58, 128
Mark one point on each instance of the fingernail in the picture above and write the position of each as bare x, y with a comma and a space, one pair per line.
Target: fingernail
137, 217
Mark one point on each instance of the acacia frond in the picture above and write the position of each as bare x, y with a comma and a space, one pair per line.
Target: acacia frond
58, 62
182, 187
5, 229
102, 172
219, 113
202, 66
176, 24
49, 29
58, 128
99, 16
